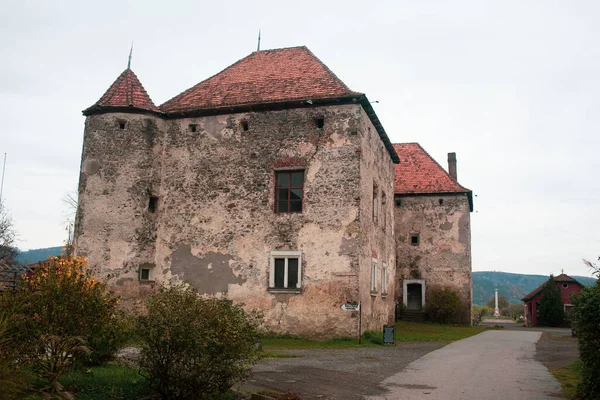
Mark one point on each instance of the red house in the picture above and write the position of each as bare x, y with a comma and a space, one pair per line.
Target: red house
567, 287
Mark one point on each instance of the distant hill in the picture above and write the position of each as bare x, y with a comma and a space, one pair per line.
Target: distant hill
512, 286
35, 255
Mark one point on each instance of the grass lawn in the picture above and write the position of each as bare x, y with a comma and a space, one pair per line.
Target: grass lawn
569, 377
405, 332
110, 381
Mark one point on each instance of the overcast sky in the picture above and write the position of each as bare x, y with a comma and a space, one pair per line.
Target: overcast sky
511, 86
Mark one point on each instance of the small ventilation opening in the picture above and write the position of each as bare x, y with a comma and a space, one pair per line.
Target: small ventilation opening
441, 201
122, 124
565, 285
244, 125
320, 122
192, 127
152, 204
414, 240
144, 274
398, 203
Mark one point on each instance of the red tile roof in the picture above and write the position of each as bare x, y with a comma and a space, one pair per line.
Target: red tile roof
267, 76
419, 173
559, 278
126, 92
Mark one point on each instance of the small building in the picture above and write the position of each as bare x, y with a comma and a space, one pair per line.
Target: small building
432, 224
567, 286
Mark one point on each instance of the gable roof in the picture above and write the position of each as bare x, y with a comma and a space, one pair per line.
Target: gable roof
266, 76
419, 173
559, 278
125, 94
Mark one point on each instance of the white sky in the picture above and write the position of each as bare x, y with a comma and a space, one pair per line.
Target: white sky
511, 86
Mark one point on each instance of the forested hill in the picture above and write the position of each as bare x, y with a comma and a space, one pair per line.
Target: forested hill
512, 286
35, 255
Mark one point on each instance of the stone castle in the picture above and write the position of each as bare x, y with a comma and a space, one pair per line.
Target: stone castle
275, 185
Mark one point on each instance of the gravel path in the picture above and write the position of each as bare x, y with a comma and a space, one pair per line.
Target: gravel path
336, 374
492, 365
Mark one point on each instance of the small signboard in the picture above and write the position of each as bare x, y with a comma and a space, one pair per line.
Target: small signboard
388, 334
351, 306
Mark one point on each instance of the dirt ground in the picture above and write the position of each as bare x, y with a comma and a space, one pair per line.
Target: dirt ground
336, 374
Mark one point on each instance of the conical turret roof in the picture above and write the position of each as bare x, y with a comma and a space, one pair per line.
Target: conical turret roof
125, 94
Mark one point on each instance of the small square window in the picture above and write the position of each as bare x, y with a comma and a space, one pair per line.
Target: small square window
441, 201
244, 125
192, 127
122, 124
144, 274
414, 239
286, 271
320, 122
398, 203
289, 191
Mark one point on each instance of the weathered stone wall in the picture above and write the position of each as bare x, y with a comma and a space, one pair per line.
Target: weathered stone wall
443, 256
120, 168
377, 231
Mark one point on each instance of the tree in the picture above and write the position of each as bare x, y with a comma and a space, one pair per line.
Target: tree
587, 318
8, 252
502, 302
443, 305
551, 311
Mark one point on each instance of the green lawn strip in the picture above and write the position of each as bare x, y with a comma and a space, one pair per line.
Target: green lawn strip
405, 332
273, 354
110, 381
569, 377
429, 332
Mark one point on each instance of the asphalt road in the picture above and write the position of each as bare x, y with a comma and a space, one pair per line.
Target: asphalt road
492, 365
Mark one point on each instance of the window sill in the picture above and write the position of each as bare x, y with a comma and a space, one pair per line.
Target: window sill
384, 295
146, 282
374, 293
285, 290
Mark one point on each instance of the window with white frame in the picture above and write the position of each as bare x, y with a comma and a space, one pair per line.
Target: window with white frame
286, 270
384, 280
374, 277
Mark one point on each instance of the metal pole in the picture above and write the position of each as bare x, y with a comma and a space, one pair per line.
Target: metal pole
2, 184
359, 323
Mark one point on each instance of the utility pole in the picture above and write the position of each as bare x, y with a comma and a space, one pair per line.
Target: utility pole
2, 184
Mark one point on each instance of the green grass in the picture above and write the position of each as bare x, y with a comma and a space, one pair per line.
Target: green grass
111, 381
428, 332
405, 332
272, 354
569, 377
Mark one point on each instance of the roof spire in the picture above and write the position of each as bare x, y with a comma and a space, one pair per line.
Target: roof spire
258, 47
129, 60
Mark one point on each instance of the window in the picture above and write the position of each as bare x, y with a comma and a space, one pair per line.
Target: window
244, 125
122, 124
192, 127
384, 280
383, 210
286, 270
398, 203
565, 285
374, 277
414, 239
152, 204
320, 122
375, 201
289, 191
144, 274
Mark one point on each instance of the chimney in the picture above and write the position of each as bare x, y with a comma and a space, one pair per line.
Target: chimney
452, 166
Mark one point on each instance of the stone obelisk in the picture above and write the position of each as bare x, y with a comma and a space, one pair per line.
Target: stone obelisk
496, 310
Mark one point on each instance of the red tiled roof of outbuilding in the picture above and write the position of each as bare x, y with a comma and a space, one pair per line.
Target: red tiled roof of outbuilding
126, 92
419, 173
267, 76
559, 278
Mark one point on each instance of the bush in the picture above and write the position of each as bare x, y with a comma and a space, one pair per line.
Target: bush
443, 305
551, 311
13, 381
109, 338
196, 347
586, 311
373, 337
54, 311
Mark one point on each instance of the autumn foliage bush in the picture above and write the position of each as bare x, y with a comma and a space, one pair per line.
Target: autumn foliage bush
55, 313
196, 347
443, 305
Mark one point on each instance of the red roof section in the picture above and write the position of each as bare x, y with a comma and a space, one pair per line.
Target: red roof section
559, 278
267, 76
126, 91
419, 173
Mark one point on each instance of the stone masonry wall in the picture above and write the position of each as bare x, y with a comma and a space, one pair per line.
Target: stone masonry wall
443, 256
120, 169
377, 230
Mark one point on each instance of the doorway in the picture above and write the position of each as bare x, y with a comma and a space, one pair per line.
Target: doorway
413, 296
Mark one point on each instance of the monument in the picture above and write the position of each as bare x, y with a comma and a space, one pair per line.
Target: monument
496, 309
